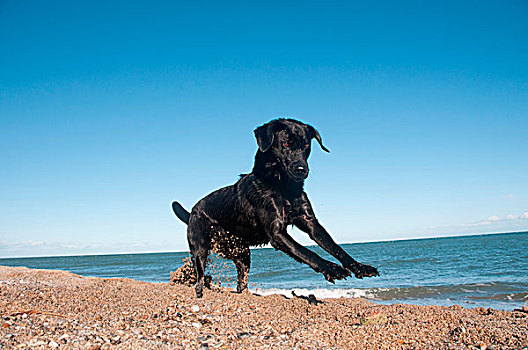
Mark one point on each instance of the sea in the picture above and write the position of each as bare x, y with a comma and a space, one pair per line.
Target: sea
489, 270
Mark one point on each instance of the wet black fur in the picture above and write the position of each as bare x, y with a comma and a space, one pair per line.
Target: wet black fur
257, 209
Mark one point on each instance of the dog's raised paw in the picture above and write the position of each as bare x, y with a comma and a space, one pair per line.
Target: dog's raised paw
335, 272
362, 270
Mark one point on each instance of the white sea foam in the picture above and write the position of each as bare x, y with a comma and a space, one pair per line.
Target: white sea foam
318, 293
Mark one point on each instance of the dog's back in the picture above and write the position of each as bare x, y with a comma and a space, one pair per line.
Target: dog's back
235, 209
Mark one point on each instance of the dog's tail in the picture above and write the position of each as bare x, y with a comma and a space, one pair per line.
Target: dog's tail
180, 212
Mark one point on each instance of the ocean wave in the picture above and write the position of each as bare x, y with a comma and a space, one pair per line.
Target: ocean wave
474, 291
509, 296
318, 293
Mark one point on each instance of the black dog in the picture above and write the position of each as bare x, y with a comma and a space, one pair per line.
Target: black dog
257, 209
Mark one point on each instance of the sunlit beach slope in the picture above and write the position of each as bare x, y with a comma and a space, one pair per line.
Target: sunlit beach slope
58, 309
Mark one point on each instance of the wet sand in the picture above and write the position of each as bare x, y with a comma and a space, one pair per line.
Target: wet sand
56, 309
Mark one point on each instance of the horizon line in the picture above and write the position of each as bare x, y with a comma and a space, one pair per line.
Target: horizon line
269, 247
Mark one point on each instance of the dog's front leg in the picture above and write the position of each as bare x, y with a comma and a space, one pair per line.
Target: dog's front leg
282, 241
321, 237
306, 221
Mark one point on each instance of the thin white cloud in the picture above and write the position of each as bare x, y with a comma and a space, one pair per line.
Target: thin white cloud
472, 224
35, 243
32, 248
509, 223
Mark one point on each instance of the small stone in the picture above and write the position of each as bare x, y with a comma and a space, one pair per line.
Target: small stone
36, 342
197, 324
195, 308
53, 344
373, 317
115, 340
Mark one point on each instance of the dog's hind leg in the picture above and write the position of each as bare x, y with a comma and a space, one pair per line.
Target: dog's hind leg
232, 247
242, 262
200, 261
198, 233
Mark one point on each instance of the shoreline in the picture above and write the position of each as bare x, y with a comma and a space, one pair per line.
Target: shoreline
58, 309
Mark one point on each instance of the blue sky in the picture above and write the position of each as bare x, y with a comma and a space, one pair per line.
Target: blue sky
109, 111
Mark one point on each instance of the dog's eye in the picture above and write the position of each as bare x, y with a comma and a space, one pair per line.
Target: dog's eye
286, 144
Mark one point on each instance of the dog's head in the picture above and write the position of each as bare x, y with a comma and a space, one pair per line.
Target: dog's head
288, 142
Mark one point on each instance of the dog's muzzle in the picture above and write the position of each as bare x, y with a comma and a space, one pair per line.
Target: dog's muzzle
300, 171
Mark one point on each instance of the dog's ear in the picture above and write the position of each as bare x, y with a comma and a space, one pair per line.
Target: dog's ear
264, 135
314, 134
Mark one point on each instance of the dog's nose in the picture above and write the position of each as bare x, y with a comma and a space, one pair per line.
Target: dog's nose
301, 170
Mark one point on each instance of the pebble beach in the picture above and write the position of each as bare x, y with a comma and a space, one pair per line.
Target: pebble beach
43, 309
